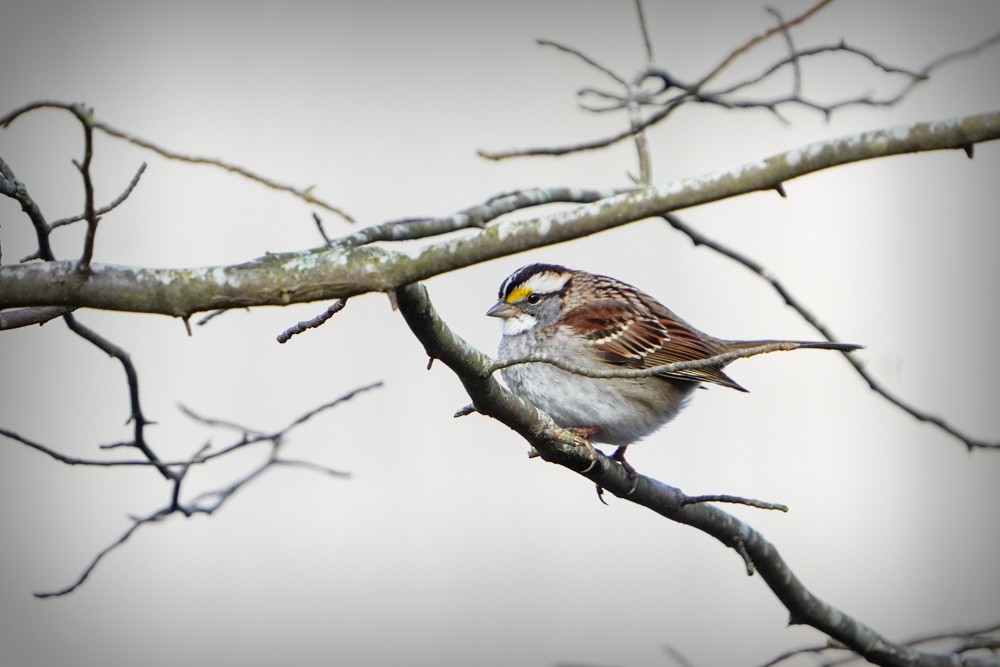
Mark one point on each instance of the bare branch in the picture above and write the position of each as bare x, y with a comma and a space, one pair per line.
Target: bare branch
793, 55
206, 502
781, 28
474, 217
634, 100
794, 60
332, 273
644, 30
249, 437
806, 314
138, 420
110, 207
637, 124
736, 500
24, 317
584, 57
219, 423
137, 523
89, 213
970, 639
639, 135
309, 465
317, 321
322, 232
962, 53
111, 463
18, 191
304, 194
489, 398
202, 321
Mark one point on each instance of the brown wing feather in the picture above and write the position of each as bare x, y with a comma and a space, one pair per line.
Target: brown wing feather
653, 338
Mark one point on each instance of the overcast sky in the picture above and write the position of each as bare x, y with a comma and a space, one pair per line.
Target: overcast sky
448, 546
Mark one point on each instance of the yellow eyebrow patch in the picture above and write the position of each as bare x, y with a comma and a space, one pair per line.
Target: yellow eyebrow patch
519, 294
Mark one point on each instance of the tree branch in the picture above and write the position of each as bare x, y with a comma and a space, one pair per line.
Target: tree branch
633, 98
110, 207
332, 273
558, 446
806, 314
136, 416
207, 502
305, 194
24, 317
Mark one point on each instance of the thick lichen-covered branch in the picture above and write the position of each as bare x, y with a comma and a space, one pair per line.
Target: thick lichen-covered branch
558, 446
345, 269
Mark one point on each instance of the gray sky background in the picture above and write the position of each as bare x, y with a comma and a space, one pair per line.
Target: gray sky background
448, 546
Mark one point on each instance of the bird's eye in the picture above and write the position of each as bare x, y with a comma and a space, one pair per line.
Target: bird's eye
534, 298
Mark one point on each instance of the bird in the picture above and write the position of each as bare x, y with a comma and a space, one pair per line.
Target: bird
594, 323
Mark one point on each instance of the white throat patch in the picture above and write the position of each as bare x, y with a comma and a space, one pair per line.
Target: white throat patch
518, 324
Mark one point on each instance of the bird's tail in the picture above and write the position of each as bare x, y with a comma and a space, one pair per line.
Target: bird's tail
749, 348
777, 345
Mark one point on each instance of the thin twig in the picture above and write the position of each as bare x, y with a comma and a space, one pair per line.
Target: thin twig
973, 635
792, 52
89, 213
714, 361
218, 423
322, 232
635, 105
210, 501
795, 58
304, 194
698, 92
23, 317
584, 57
476, 216
962, 53
18, 191
317, 321
136, 524
736, 500
138, 420
644, 30
211, 316
110, 207
309, 465
767, 34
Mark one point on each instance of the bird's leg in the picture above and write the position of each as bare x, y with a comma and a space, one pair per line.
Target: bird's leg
619, 456
586, 432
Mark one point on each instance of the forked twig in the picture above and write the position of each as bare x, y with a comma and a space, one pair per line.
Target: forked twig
110, 207
631, 97
210, 501
136, 416
969, 639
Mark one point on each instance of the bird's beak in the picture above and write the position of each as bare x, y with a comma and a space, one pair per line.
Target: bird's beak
502, 309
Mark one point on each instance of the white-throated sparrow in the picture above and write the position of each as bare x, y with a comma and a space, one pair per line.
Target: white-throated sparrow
596, 322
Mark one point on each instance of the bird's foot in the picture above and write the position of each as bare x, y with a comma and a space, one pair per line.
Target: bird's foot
619, 456
586, 432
